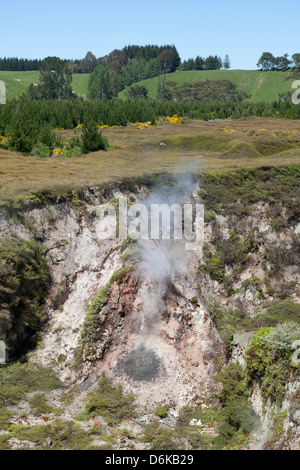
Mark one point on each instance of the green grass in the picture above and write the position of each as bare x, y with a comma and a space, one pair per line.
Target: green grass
263, 86
80, 83
18, 82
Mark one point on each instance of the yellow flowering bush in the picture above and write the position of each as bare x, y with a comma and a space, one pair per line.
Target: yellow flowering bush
5, 139
58, 152
228, 130
174, 119
142, 125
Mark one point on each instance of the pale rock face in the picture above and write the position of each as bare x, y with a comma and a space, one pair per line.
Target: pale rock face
150, 309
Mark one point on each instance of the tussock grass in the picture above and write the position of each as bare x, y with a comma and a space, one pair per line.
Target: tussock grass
193, 146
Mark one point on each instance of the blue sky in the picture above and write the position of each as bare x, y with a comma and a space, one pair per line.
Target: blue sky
68, 29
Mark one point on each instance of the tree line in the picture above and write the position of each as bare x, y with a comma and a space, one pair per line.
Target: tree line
115, 60
167, 56
29, 122
209, 63
19, 65
268, 61
14, 64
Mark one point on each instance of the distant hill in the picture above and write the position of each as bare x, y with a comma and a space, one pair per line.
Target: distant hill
262, 86
18, 82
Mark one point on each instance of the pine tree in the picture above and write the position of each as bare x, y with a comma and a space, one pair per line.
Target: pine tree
226, 62
199, 63
163, 92
55, 81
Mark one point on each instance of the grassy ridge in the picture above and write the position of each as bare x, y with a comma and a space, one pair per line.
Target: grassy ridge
18, 82
262, 86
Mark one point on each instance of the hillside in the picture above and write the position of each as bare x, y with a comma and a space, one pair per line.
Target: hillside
262, 86
18, 82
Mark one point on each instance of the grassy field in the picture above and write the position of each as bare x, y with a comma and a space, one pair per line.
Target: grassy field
191, 146
18, 82
263, 86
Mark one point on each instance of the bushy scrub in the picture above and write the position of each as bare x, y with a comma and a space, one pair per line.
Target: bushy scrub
236, 415
161, 438
92, 139
40, 406
17, 380
40, 150
235, 192
269, 359
282, 337
24, 277
73, 152
26, 134
161, 411
110, 402
93, 315
280, 312
62, 435
94, 319
232, 252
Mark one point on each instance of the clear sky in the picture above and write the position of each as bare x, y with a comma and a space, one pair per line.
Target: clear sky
68, 29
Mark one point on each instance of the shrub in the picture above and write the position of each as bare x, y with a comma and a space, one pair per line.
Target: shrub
162, 411
40, 150
5, 416
92, 139
73, 152
236, 414
74, 142
63, 435
268, 360
137, 92
282, 337
93, 318
162, 438
280, 312
109, 402
39, 404
18, 379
